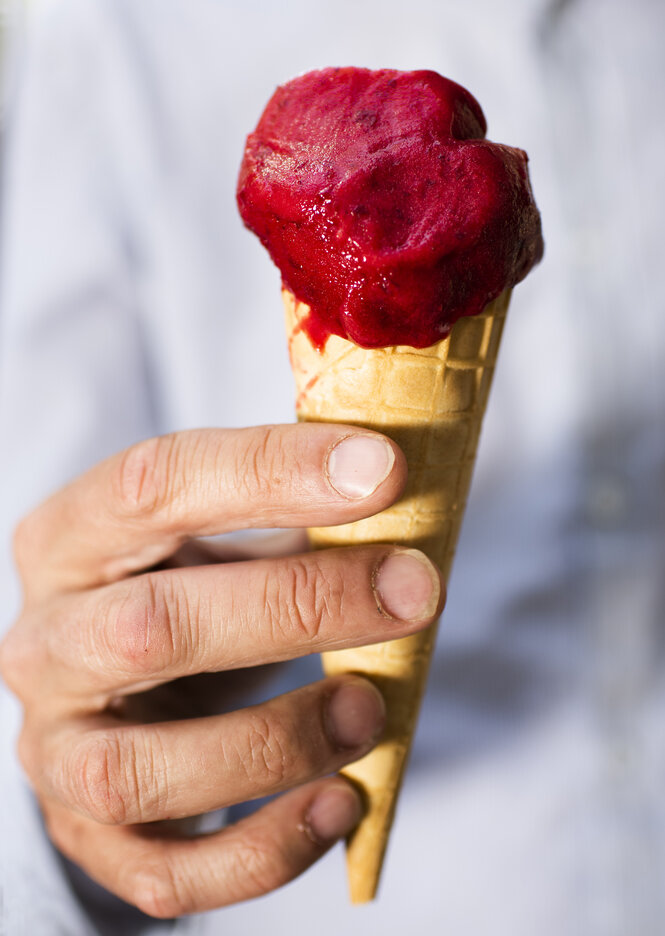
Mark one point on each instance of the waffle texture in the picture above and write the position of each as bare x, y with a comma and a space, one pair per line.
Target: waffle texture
431, 401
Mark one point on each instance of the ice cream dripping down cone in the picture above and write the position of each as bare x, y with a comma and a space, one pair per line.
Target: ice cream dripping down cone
431, 402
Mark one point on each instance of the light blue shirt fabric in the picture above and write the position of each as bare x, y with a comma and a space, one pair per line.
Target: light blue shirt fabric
133, 303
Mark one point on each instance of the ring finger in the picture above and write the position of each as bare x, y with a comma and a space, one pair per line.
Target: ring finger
133, 774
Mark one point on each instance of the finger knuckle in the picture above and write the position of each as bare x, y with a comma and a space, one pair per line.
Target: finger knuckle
147, 623
269, 751
158, 891
258, 867
146, 477
96, 776
262, 465
254, 865
308, 599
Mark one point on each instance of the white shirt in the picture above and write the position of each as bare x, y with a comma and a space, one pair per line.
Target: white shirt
133, 303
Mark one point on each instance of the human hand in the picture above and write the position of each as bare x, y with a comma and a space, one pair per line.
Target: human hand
101, 628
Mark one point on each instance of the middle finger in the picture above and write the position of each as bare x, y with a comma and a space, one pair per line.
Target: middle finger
163, 625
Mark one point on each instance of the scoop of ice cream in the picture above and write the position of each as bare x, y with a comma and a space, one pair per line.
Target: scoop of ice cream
384, 208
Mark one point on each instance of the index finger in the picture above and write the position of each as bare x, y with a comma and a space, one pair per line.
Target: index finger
137, 507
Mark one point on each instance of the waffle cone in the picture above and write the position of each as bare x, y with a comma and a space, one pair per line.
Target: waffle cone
431, 402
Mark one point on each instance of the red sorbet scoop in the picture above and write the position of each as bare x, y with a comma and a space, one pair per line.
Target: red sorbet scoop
384, 208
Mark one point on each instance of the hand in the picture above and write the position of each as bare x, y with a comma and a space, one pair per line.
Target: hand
101, 628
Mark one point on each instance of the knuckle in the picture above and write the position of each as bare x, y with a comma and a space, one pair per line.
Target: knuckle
268, 756
158, 891
262, 464
146, 477
257, 867
308, 599
144, 626
96, 775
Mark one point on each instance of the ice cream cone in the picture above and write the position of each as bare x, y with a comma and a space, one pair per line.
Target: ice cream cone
431, 401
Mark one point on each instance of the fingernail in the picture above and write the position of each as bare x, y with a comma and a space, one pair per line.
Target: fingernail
357, 465
356, 714
333, 814
407, 586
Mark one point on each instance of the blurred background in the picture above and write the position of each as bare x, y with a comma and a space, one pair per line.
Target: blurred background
133, 302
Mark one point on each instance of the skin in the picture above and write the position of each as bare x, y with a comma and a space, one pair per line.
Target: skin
126, 647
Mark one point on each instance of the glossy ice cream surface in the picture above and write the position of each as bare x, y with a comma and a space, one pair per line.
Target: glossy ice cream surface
385, 209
